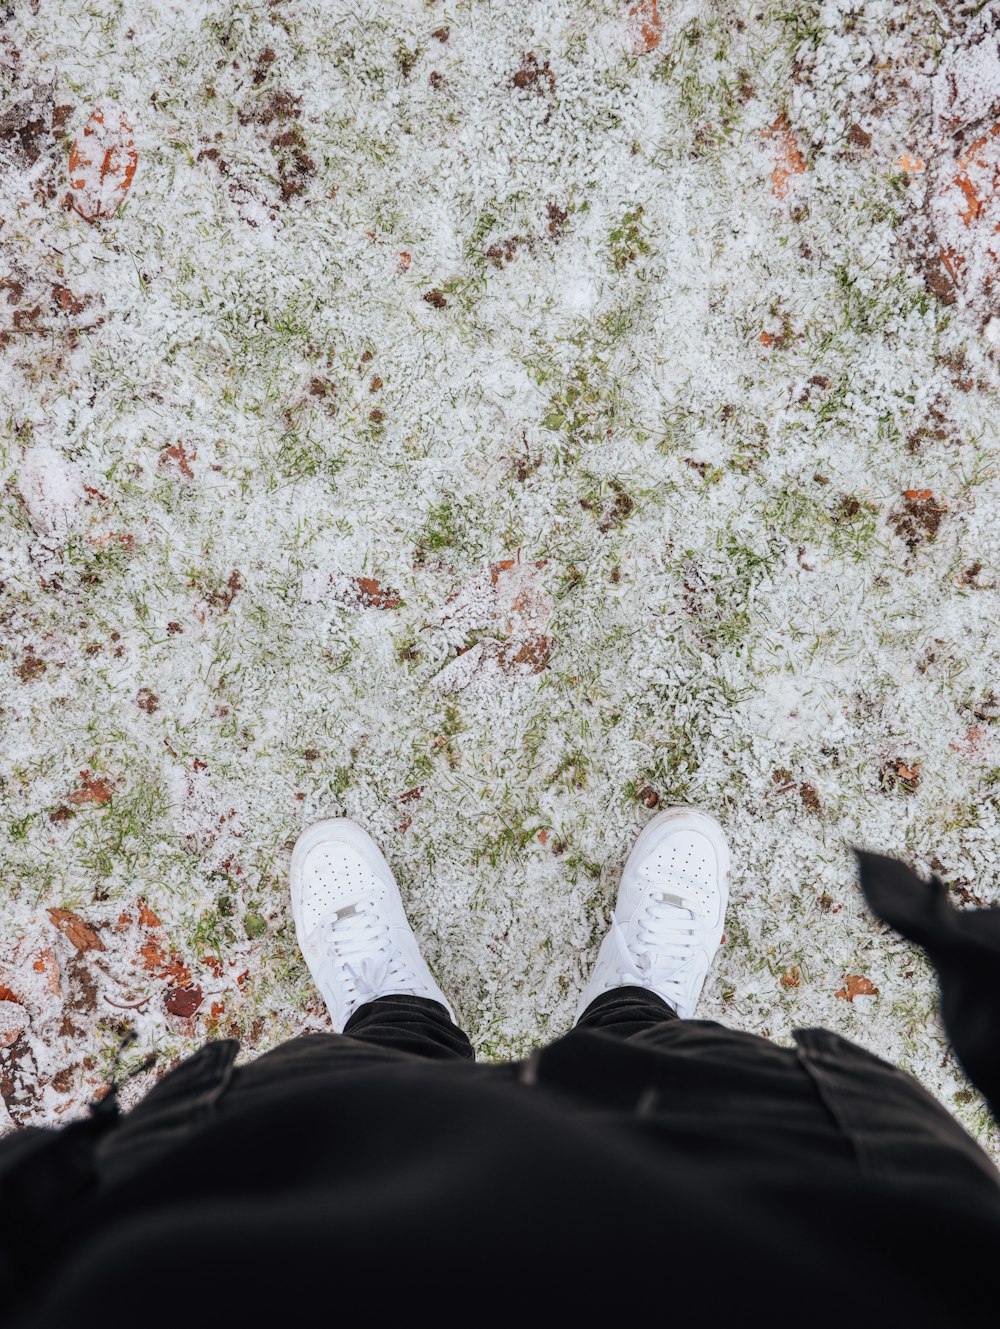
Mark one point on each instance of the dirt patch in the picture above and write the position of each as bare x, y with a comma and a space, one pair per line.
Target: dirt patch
222, 597
558, 219
295, 166
502, 252
176, 455
527, 656
26, 127
614, 514
918, 519
537, 77
31, 667
809, 797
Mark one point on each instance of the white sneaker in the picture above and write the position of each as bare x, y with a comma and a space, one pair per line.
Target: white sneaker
671, 907
349, 918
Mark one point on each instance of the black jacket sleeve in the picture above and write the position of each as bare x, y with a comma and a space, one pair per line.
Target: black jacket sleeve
964, 947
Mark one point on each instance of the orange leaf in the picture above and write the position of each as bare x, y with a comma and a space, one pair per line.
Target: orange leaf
146, 916
856, 985
93, 790
917, 494
373, 595
911, 165
647, 13
102, 163
789, 160
792, 977
153, 956
45, 963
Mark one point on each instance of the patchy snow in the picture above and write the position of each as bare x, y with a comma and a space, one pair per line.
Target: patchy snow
467, 425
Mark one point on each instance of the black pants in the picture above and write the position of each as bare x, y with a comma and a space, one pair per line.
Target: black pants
628, 1051
417, 1027
414, 1024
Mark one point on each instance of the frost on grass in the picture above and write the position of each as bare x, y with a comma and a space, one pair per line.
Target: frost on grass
492, 426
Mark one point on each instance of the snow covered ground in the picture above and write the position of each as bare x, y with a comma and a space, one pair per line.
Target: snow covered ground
490, 422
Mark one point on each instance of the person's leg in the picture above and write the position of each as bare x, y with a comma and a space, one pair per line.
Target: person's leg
625, 1011
362, 953
410, 1024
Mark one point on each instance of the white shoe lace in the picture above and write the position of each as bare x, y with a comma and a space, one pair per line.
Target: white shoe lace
668, 929
361, 954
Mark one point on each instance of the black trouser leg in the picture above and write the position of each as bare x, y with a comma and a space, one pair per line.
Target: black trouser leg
410, 1024
626, 1011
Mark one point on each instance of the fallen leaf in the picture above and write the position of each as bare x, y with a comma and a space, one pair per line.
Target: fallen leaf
102, 163
154, 957
404, 261
13, 1022
525, 655
789, 160
918, 494
373, 595
177, 454
146, 916
792, 977
45, 963
81, 934
92, 790
646, 14
856, 985
911, 165
183, 1001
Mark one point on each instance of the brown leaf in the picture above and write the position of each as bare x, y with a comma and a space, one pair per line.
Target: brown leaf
792, 977
93, 790
183, 1001
529, 655
373, 595
856, 985
81, 934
